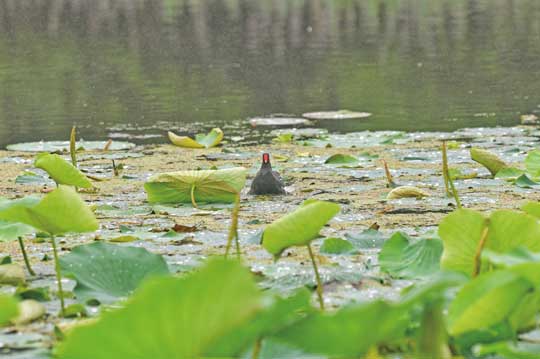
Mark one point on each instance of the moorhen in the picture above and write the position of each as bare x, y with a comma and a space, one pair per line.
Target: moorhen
267, 181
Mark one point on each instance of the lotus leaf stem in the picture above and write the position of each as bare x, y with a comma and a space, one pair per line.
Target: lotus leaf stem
73, 146
478, 254
58, 276
193, 202
317, 277
257, 349
389, 179
445, 171
25, 257
233, 229
454, 191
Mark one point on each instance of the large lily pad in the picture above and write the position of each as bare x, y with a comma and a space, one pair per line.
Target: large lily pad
63, 146
59, 212
336, 115
299, 227
107, 272
212, 139
61, 171
461, 232
219, 186
532, 162
402, 257
172, 317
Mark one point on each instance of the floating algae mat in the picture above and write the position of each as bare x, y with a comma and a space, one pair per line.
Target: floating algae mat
151, 239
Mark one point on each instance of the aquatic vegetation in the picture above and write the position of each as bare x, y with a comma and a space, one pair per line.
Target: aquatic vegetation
61, 171
8, 309
407, 192
208, 186
336, 246
59, 212
489, 160
299, 228
212, 139
107, 272
10, 231
64, 146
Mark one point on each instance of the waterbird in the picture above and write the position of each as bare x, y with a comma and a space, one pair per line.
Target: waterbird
267, 181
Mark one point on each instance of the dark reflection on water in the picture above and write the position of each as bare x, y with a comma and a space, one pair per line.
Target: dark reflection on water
415, 64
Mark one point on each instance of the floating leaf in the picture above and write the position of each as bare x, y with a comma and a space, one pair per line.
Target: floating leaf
284, 138
63, 146
335, 115
524, 181
29, 311
8, 309
61, 171
61, 211
509, 173
124, 239
341, 159
299, 227
367, 239
488, 159
407, 192
462, 230
108, 272
485, 301
12, 274
278, 121
31, 178
212, 139
149, 326
219, 186
336, 246
532, 208
402, 257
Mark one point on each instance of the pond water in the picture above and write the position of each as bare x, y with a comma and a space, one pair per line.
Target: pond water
142, 66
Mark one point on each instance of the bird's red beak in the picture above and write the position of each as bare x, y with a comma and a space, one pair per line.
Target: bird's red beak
266, 158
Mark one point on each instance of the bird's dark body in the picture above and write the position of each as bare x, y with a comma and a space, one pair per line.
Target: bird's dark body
267, 181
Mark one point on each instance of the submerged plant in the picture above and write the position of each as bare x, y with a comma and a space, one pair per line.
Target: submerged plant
59, 212
299, 228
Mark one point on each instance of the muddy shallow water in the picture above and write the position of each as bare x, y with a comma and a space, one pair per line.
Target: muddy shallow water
414, 159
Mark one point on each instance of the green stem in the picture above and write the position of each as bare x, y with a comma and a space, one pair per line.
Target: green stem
58, 276
317, 277
446, 173
454, 191
73, 146
193, 202
233, 229
25, 256
479, 248
257, 349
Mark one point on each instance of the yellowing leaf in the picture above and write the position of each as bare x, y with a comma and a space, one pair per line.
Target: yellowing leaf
212, 139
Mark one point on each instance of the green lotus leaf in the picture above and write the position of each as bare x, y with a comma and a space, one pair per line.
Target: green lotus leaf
488, 159
210, 186
348, 333
172, 317
532, 208
61, 211
336, 246
10, 231
462, 230
212, 139
341, 159
61, 171
485, 301
402, 257
8, 309
299, 227
532, 163
108, 272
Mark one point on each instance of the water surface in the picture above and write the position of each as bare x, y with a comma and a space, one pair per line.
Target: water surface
142, 66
